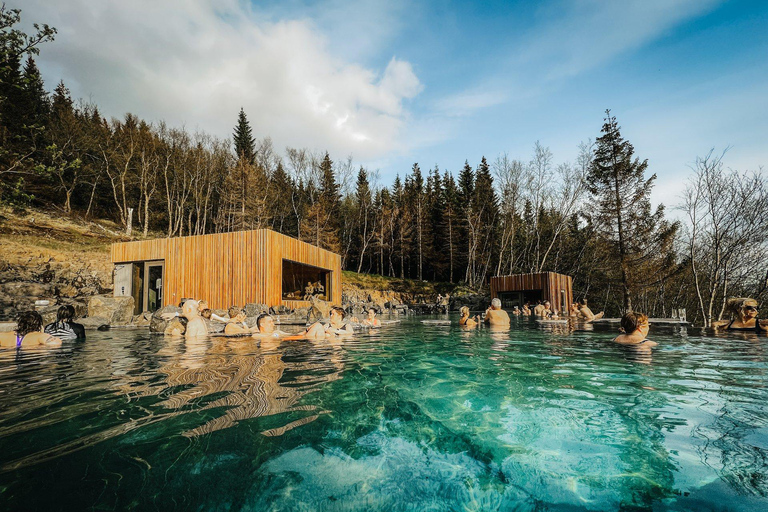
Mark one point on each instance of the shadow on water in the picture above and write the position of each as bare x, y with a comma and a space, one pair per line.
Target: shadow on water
414, 416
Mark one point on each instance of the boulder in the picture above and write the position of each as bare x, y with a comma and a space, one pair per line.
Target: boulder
117, 310
68, 291
142, 320
158, 323
320, 309
279, 310
26, 289
93, 322
253, 309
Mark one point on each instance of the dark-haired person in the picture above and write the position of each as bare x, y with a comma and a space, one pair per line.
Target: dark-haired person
29, 333
744, 317
371, 320
635, 328
265, 327
64, 327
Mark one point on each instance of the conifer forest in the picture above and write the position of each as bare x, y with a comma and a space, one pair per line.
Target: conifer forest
459, 222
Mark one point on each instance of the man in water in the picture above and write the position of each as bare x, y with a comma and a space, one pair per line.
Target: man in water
195, 324
539, 309
495, 316
265, 327
586, 313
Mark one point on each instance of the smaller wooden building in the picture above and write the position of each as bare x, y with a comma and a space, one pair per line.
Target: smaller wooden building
517, 289
258, 266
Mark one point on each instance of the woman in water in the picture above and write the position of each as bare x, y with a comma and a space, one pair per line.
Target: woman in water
28, 333
64, 328
635, 327
466, 320
335, 327
743, 317
371, 320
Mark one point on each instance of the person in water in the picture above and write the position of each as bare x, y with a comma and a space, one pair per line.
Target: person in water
64, 327
335, 327
744, 317
573, 310
265, 327
195, 324
586, 314
466, 320
236, 323
495, 316
539, 309
635, 328
526, 310
371, 320
29, 333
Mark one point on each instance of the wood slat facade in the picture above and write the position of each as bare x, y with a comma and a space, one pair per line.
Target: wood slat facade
230, 268
556, 288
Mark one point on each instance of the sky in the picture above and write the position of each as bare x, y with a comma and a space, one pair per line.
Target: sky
394, 82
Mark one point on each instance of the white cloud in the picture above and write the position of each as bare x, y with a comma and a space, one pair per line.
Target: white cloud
197, 62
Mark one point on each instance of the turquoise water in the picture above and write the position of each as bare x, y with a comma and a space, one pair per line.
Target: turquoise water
413, 417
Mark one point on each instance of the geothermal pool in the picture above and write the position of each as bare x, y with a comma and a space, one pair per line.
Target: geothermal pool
412, 417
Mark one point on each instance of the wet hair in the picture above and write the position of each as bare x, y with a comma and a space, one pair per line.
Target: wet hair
735, 305
630, 322
233, 311
206, 313
464, 310
65, 313
260, 318
28, 321
339, 311
496, 303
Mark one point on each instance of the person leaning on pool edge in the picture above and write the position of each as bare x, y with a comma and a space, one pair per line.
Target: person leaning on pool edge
744, 317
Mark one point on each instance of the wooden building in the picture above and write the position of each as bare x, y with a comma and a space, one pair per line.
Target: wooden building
517, 289
226, 269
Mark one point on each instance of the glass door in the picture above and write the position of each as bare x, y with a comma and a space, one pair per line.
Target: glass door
153, 285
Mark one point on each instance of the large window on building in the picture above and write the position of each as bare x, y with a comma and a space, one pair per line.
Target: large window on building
300, 282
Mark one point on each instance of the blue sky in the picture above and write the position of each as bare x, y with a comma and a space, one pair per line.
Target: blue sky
393, 83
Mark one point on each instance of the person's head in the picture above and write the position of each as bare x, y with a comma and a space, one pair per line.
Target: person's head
496, 303
371, 313
546, 304
65, 313
265, 323
236, 313
206, 313
632, 322
516, 308
190, 309
29, 321
743, 308
337, 313
464, 310
203, 305
583, 301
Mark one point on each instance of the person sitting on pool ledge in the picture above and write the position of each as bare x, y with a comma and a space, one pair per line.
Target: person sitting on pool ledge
465, 319
586, 314
28, 333
195, 324
495, 316
744, 318
64, 327
635, 327
335, 327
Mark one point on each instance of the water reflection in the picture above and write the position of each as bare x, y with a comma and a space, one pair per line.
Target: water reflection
241, 378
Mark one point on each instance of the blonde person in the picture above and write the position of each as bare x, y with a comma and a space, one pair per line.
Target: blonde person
744, 317
466, 320
635, 328
28, 333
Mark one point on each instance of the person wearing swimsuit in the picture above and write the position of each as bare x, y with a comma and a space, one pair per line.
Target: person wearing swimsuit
65, 327
635, 328
744, 317
335, 327
466, 320
28, 333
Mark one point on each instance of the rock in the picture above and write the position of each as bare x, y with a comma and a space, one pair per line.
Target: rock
254, 309
158, 323
117, 310
142, 320
26, 289
68, 291
49, 314
320, 309
215, 327
279, 310
93, 322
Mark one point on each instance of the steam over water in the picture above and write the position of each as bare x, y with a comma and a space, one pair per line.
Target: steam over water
412, 417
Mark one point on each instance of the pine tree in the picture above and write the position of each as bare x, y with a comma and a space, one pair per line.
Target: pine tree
452, 209
245, 144
36, 102
617, 182
485, 209
414, 190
